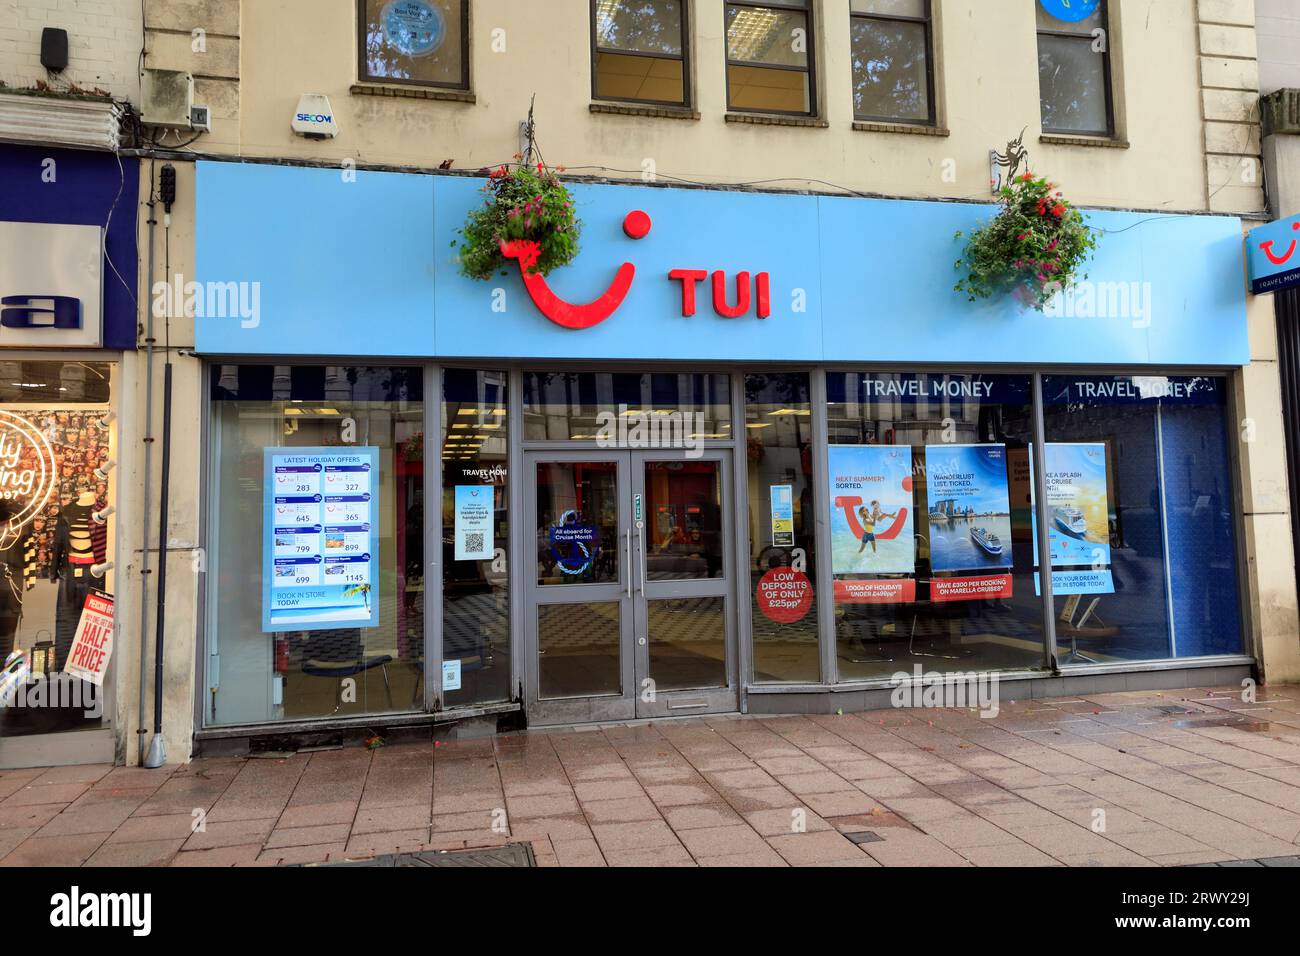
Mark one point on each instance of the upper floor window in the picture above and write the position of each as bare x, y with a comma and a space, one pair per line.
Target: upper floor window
893, 77
639, 51
420, 42
770, 57
1074, 72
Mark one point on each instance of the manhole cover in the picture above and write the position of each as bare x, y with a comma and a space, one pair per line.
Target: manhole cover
512, 854
1174, 709
864, 836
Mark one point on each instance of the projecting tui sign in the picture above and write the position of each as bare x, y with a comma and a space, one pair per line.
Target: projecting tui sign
1273, 256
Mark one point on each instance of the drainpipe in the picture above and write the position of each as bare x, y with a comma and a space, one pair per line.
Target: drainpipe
157, 755
157, 751
148, 463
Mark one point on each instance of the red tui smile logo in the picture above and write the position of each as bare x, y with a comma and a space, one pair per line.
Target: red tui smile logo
1281, 260
566, 314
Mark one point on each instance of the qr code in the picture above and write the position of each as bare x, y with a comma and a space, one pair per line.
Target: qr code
474, 541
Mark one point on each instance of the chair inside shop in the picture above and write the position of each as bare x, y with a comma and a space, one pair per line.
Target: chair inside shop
338, 655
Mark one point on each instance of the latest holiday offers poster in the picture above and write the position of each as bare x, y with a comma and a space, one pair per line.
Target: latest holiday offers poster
970, 507
872, 527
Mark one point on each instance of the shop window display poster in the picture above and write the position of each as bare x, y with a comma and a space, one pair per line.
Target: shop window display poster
969, 520
321, 548
1079, 510
782, 516
473, 522
872, 522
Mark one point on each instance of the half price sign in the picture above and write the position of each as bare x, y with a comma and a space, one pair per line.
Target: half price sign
92, 646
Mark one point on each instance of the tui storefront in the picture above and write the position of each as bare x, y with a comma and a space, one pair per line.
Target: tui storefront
67, 313
751, 452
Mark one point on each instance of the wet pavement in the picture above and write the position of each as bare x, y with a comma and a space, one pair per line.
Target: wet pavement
1127, 779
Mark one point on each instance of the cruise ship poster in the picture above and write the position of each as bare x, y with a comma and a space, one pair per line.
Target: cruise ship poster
1079, 512
970, 507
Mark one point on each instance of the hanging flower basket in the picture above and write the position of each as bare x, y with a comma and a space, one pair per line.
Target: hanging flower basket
1033, 248
528, 216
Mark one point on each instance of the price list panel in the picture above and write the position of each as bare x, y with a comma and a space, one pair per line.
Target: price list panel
321, 553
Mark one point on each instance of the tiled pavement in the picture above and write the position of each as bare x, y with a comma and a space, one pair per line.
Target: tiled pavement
1220, 782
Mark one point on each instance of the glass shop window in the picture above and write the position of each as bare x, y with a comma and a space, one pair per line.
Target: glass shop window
769, 57
475, 538
58, 456
1144, 561
592, 406
893, 70
782, 528
416, 42
932, 540
316, 589
1074, 72
639, 50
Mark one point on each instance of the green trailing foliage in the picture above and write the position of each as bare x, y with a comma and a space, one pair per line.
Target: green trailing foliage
1032, 249
524, 204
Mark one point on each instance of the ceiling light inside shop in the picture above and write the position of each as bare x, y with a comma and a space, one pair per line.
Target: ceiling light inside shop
499, 412
759, 425
461, 425
708, 435
750, 35
789, 411
468, 411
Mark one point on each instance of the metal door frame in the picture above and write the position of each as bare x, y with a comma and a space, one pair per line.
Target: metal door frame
704, 700
630, 593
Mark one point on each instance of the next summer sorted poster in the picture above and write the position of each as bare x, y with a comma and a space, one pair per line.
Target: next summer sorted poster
321, 548
872, 525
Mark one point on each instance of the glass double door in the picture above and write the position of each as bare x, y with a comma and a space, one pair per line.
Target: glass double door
629, 605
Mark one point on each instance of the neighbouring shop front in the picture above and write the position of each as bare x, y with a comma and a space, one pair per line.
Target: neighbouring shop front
787, 466
67, 311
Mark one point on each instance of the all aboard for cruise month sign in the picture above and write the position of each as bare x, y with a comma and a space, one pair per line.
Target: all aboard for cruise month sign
970, 521
1079, 534
321, 549
872, 524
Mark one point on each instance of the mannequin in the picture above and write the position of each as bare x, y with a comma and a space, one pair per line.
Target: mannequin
74, 556
11, 584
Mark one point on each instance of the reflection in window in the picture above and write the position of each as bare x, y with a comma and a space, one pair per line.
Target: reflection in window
1142, 520
420, 42
475, 541
891, 60
932, 540
782, 523
587, 406
57, 537
1074, 73
314, 672
769, 57
639, 51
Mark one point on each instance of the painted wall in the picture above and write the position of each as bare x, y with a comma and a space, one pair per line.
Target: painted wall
1277, 26
260, 57
104, 42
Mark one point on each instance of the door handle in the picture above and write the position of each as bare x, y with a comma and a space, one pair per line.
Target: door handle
640, 533
628, 534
